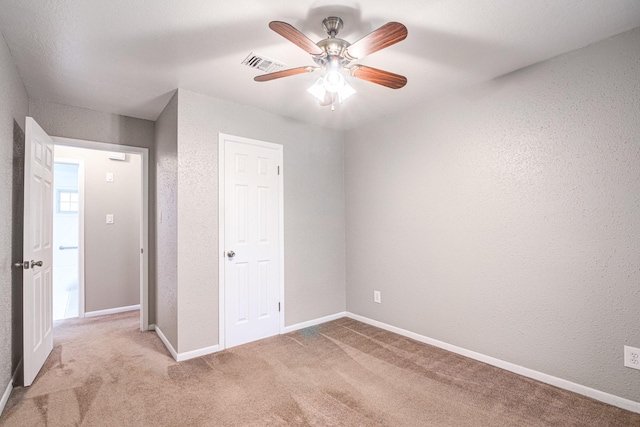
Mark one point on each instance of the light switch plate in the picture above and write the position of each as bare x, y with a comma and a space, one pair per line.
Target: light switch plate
109, 218
109, 176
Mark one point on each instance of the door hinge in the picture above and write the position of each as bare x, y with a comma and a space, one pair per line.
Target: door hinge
278, 307
278, 170
141, 250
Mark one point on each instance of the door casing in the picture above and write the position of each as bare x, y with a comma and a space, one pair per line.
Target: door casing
221, 229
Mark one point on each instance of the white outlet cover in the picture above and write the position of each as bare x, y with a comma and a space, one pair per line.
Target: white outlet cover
109, 176
109, 218
632, 357
376, 297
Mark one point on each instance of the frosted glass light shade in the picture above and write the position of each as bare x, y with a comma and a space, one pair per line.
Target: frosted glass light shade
334, 84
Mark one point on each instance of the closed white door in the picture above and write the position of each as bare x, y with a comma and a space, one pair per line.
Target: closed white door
38, 249
252, 234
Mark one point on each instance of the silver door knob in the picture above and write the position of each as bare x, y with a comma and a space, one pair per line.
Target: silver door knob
24, 264
34, 263
231, 254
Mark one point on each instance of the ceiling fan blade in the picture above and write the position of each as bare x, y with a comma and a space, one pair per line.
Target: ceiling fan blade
284, 73
293, 35
385, 36
373, 75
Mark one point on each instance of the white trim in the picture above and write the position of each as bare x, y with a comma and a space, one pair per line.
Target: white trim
112, 311
81, 257
283, 304
221, 237
314, 322
6, 395
9, 389
152, 327
144, 211
197, 353
222, 137
619, 402
180, 357
166, 343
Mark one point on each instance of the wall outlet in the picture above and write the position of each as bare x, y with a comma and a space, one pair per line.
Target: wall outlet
632, 357
376, 297
109, 218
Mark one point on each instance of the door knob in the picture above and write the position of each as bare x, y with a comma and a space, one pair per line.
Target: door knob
34, 263
231, 254
23, 264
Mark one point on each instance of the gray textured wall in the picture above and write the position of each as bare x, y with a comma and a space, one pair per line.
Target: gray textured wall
166, 142
14, 106
17, 245
81, 123
112, 251
504, 219
313, 213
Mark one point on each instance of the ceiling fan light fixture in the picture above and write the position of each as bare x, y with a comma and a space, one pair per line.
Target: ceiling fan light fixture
335, 58
333, 81
317, 90
345, 92
339, 92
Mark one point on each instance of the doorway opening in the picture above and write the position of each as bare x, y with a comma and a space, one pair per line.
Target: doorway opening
111, 228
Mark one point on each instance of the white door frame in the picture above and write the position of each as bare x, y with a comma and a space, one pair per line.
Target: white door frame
221, 230
80, 164
144, 212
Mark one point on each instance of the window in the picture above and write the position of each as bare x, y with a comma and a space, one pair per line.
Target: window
67, 201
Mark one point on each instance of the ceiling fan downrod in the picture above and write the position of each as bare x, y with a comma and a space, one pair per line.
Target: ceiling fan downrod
332, 25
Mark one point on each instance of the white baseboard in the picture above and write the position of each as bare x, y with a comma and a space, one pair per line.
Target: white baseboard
5, 396
610, 399
112, 311
166, 343
9, 389
314, 322
197, 353
152, 327
179, 357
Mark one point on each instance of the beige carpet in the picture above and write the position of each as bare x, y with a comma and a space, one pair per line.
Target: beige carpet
105, 372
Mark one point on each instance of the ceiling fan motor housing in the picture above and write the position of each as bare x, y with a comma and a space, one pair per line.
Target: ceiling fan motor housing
333, 48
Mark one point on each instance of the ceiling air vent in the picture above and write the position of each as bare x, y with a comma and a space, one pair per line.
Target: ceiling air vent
262, 63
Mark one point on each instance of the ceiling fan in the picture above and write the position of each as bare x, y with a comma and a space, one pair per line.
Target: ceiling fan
336, 57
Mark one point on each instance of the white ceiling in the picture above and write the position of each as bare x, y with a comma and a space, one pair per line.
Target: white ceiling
127, 56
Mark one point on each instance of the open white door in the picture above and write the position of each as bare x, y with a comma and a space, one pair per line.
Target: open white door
38, 249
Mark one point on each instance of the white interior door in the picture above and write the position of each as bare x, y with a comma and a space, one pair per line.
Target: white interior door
252, 239
38, 249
